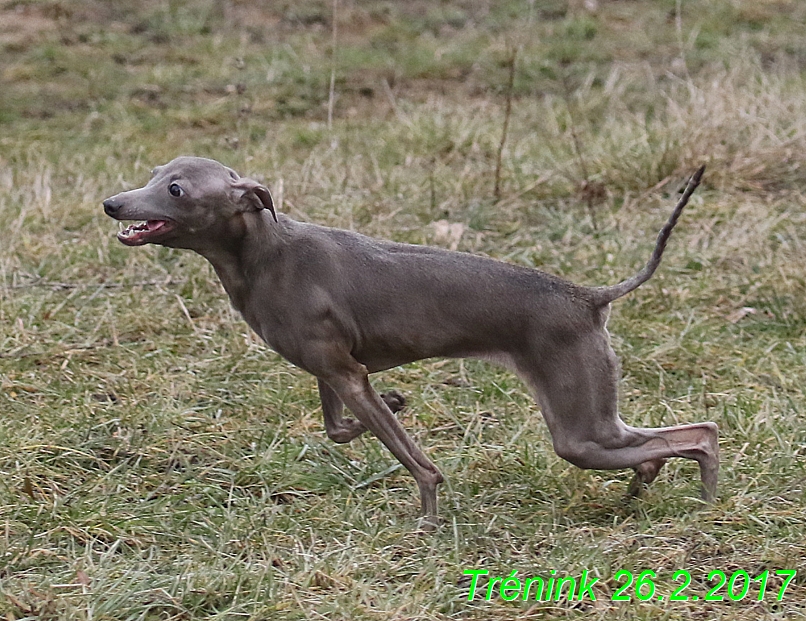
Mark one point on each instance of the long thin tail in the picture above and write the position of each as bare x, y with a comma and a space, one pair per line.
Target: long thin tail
605, 295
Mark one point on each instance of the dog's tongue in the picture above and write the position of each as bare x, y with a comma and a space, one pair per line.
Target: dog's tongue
154, 225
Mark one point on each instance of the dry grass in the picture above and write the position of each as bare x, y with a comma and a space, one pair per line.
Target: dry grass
158, 462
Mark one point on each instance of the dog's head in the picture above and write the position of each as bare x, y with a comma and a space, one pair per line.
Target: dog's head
186, 198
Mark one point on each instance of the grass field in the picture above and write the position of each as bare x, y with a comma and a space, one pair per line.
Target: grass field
158, 462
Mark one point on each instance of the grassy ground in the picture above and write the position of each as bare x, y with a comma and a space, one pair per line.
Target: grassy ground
158, 462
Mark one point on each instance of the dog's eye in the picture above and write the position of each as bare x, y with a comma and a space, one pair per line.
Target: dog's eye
175, 190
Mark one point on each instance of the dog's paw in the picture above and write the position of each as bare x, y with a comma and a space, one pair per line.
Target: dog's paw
394, 400
645, 473
428, 524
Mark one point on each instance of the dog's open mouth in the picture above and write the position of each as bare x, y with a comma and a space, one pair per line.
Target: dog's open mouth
144, 232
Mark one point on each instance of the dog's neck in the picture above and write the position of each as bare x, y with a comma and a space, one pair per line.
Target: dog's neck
249, 241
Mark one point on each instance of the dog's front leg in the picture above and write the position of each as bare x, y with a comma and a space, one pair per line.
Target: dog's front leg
343, 430
352, 388
338, 428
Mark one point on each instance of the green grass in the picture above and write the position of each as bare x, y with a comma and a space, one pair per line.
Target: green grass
158, 462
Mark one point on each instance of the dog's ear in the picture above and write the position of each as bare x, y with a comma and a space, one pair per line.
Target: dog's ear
253, 196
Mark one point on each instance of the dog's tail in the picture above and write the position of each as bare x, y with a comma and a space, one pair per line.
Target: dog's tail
605, 295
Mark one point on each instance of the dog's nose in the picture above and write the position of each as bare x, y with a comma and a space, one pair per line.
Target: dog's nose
112, 205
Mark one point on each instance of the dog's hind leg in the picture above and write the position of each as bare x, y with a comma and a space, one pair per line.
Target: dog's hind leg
578, 392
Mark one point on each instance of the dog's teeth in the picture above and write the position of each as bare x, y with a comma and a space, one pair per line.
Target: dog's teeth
131, 229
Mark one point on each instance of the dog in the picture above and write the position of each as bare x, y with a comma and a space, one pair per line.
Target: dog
341, 306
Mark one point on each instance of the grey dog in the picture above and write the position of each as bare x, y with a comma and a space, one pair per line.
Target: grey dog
341, 306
